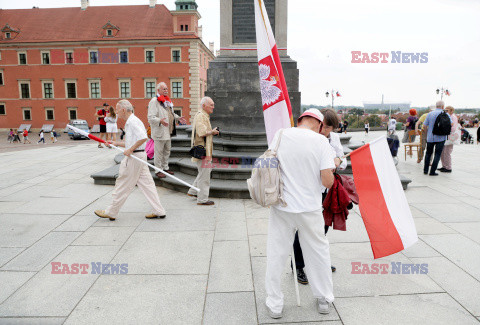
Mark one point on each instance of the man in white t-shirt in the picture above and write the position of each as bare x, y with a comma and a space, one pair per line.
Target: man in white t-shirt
306, 161
132, 172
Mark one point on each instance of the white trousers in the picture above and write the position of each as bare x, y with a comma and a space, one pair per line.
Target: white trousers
162, 153
202, 182
316, 253
131, 173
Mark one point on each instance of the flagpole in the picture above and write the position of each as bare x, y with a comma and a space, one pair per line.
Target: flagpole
156, 168
295, 282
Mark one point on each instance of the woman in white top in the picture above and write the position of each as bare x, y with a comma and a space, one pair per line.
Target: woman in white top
111, 120
367, 126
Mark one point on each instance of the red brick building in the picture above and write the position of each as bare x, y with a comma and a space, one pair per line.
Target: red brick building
63, 63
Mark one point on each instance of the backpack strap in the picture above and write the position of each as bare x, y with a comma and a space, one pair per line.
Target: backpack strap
278, 141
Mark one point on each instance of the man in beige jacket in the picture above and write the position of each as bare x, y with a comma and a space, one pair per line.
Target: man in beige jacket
162, 122
202, 135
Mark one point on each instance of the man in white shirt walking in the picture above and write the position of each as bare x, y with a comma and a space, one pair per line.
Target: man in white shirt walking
306, 161
132, 172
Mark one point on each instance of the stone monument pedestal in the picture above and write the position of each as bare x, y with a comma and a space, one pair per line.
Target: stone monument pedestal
233, 84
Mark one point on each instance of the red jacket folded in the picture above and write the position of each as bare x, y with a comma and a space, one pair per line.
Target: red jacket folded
335, 205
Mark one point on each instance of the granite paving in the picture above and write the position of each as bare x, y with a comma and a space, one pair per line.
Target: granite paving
60, 264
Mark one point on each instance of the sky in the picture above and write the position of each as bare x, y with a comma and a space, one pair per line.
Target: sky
322, 34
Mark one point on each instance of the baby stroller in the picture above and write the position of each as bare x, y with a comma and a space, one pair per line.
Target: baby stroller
466, 137
393, 144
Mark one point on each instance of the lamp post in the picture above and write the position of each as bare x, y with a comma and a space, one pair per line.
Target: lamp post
333, 94
442, 91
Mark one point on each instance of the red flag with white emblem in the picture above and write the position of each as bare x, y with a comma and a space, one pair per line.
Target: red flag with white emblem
277, 110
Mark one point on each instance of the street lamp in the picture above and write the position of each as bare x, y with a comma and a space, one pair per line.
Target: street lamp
442, 91
333, 94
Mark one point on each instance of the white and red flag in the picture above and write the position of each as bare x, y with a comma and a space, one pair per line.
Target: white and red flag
277, 110
383, 205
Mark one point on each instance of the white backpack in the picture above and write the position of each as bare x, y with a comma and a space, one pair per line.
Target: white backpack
266, 185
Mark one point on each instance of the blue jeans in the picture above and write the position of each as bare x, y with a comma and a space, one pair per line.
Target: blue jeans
438, 152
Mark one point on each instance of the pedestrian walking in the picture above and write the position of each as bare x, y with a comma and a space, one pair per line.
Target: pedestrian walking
25, 136
132, 172
11, 136
41, 135
367, 127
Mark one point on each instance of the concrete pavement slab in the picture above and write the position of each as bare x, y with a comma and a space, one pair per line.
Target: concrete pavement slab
450, 212
32, 320
104, 236
461, 286
459, 249
468, 229
307, 312
78, 223
235, 308
22, 230
143, 299
39, 254
430, 226
167, 253
434, 309
420, 249
230, 268
231, 226
181, 220
258, 245
47, 294
7, 253
11, 281
347, 283
257, 226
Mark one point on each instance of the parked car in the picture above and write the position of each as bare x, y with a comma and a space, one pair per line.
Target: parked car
79, 124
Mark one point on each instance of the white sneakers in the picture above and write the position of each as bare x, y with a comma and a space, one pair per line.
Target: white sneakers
273, 314
323, 306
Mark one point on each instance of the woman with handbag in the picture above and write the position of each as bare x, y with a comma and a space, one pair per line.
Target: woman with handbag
453, 138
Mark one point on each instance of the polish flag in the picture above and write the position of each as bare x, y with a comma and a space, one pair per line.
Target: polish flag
338, 94
85, 134
277, 110
383, 205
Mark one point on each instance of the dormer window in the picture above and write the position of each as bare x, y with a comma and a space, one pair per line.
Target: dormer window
110, 30
9, 32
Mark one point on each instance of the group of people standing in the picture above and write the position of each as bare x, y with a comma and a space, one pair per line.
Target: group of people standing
437, 148
108, 123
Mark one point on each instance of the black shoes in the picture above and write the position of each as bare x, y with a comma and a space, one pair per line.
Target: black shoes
301, 277
444, 170
434, 174
333, 268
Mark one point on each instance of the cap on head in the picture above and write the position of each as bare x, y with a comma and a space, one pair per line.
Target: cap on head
105, 104
312, 112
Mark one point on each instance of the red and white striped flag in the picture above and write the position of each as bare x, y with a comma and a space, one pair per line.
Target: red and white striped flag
383, 205
277, 110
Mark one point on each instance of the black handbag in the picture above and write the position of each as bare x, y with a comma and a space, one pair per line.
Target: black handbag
198, 152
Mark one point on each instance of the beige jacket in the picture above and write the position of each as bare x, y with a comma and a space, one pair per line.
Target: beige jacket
156, 112
200, 127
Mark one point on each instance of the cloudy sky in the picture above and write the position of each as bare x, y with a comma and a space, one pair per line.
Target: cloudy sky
322, 34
